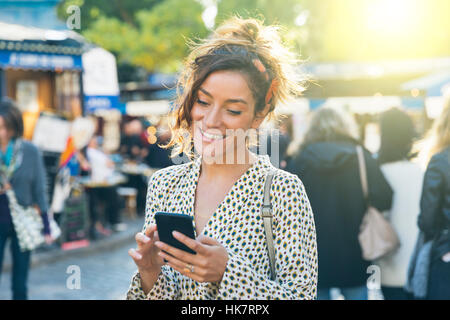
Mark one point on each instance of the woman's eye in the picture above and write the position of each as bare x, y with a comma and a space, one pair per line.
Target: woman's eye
202, 102
234, 112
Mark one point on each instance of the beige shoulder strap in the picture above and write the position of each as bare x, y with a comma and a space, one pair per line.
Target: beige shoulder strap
266, 214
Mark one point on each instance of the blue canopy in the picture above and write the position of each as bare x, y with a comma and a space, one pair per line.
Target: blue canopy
39, 60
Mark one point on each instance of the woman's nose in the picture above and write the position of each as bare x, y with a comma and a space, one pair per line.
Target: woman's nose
213, 118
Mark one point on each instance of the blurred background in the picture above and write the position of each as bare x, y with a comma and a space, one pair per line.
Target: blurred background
102, 74
363, 54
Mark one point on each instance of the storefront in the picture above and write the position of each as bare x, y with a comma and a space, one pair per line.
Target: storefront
41, 71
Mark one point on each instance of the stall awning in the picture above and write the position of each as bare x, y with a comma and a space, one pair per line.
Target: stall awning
24, 47
39, 61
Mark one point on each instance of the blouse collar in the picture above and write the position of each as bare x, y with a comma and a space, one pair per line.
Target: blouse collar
254, 177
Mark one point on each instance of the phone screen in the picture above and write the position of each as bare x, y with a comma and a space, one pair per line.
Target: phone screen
166, 223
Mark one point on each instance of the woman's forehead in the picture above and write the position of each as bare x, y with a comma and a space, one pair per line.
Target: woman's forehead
227, 84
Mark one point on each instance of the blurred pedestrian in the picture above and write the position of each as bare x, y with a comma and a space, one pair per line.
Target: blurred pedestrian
232, 82
327, 164
22, 169
159, 157
132, 146
405, 177
434, 218
102, 170
136, 150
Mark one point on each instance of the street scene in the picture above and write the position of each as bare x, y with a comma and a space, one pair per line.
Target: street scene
53, 282
224, 149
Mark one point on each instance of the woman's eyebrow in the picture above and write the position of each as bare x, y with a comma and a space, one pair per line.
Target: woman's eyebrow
205, 92
227, 101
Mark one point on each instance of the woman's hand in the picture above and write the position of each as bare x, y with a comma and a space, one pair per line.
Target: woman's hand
146, 255
208, 265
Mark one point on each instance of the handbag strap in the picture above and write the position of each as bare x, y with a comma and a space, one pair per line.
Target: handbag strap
266, 214
362, 172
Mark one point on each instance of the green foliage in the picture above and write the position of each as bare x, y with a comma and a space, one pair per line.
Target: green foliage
279, 12
92, 10
282, 13
164, 32
153, 38
152, 34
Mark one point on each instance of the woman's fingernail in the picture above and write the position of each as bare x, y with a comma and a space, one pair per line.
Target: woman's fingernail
176, 233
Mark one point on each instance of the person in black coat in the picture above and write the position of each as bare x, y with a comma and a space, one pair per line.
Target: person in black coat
327, 164
434, 218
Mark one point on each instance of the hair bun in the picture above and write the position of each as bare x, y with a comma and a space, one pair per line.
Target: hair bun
247, 30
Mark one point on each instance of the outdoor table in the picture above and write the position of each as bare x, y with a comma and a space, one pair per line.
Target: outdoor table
135, 169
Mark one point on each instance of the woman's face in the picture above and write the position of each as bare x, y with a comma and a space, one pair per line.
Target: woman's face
5, 133
223, 114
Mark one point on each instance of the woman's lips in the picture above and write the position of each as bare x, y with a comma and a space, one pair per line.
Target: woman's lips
210, 139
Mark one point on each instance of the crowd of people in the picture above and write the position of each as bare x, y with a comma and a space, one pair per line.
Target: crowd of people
415, 202
23, 185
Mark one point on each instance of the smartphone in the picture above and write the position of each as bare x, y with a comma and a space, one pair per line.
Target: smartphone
166, 223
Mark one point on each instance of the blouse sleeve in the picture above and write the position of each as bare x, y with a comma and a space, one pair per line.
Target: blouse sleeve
166, 286
295, 251
39, 192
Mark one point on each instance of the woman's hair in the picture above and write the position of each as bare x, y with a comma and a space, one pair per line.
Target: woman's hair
12, 117
438, 138
329, 124
243, 45
397, 136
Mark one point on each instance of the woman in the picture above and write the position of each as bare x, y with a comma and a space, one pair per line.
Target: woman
232, 81
434, 218
405, 178
21, 169
327, 164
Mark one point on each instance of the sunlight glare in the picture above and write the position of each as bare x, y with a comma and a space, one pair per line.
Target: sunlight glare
391, 16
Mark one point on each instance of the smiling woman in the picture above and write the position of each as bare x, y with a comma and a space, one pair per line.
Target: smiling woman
231, 83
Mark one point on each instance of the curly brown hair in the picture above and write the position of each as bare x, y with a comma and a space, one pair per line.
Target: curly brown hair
243, 45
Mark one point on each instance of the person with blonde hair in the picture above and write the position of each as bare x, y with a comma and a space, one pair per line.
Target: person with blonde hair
327, 164
232, 81
434, 218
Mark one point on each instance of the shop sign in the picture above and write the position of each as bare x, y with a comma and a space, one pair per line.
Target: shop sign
100, 82
47, 61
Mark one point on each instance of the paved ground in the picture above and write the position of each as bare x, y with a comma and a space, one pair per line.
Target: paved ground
103, 276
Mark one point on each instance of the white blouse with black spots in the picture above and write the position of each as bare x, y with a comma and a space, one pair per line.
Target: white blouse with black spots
237, 225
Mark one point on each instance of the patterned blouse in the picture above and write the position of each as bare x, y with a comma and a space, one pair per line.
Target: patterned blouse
237, 225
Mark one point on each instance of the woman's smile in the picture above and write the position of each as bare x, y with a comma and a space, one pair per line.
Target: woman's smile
209, 137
